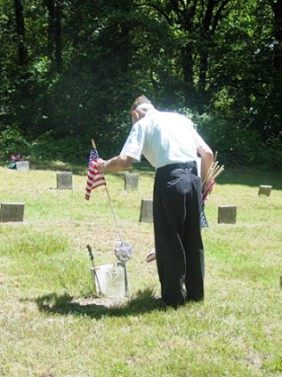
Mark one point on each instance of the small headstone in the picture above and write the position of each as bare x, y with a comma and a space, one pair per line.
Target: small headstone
22, 165
265, 190
11, 212
146, 212
110, 280
227, 214
64, 180
131, 181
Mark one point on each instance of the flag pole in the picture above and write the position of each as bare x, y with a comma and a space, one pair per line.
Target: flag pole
110, 201
112, 209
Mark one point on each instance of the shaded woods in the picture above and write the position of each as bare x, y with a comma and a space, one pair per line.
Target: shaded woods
70, 70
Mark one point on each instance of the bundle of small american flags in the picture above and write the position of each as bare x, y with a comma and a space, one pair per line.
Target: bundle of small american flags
209, 179
207, 186
94, 177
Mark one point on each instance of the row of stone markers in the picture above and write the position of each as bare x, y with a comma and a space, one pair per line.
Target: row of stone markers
226, 214
15, 211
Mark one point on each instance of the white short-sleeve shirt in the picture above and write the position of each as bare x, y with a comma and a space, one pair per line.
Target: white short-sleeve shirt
163, 138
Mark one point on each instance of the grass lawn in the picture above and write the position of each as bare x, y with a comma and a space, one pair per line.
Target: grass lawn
53, 325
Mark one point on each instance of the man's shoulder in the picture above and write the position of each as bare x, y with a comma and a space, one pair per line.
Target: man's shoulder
167, 117
177, 117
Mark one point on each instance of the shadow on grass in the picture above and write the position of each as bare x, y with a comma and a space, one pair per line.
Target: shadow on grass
65, 304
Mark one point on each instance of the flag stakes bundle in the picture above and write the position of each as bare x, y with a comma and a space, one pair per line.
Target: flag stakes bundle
212, 174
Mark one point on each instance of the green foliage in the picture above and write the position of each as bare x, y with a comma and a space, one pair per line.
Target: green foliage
45, 147
67, 149
237, 145
12, 141
221, 60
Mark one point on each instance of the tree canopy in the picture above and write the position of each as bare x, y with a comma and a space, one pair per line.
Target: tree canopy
70, 70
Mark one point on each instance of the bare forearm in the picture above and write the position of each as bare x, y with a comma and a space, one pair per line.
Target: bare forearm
206, 164
115, 164
206, 160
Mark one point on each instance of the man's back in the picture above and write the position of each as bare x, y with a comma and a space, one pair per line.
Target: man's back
168, 138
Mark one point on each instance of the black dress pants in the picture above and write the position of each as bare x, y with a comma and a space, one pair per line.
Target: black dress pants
178, 240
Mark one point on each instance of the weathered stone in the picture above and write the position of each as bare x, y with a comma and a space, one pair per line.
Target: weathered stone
111, 280
146, 212
131, 181
22, 165
227, 214
265, 190
64, 180
11, 212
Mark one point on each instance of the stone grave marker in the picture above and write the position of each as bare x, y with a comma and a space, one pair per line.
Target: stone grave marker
265, 190
131, 181
64, 180
146, 212
22, 165
227, 214
110, 280
11, 212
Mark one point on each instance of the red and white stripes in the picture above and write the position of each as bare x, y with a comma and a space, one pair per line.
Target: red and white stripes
94, 179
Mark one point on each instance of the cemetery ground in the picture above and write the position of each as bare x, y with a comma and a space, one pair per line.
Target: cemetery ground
53, 325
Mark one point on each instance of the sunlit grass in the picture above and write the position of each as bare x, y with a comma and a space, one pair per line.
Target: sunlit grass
53, 325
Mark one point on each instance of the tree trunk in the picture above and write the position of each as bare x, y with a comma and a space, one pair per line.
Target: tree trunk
58, 34
22, 50
187, 64
205, 34
54, 49
277, 58
51, 29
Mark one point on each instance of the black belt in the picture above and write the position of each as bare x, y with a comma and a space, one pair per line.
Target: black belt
180, 165
184, 165
191, 165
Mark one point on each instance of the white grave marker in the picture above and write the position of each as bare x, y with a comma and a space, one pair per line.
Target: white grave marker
22, 165
110, 280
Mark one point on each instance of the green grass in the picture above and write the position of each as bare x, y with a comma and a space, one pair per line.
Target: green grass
53, 325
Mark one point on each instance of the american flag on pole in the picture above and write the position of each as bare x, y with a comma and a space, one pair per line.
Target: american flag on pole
94, 177
204, 222
207, 186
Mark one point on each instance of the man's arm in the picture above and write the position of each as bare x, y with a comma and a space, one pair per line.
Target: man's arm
115, 164
206, 159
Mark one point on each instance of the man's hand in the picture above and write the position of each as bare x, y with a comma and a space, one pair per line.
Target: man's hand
100, 164
115, 164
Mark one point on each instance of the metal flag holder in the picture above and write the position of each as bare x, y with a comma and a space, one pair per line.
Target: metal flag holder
111, 280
